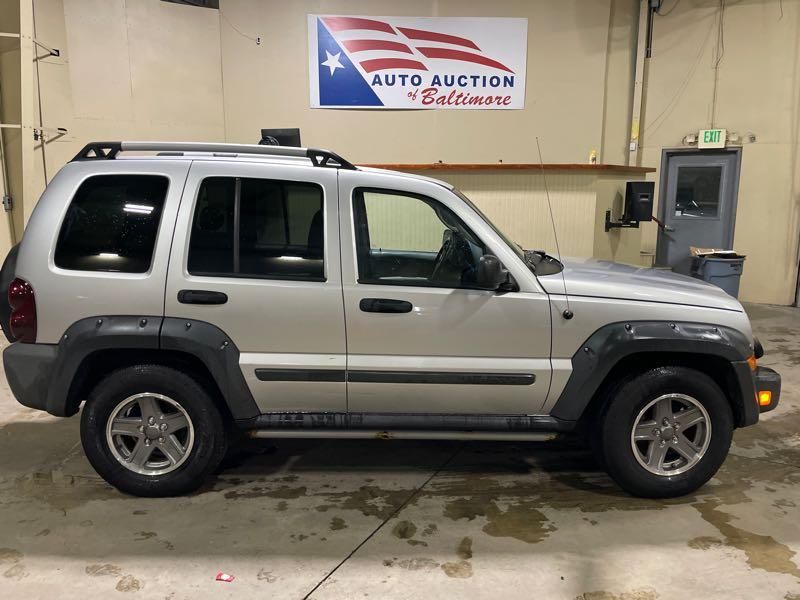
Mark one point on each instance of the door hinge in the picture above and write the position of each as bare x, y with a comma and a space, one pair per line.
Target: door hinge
8, 203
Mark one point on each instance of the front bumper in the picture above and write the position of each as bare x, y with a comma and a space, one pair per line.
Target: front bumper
767, 380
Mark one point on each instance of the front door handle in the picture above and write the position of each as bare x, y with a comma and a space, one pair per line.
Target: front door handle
201, 297
384, 305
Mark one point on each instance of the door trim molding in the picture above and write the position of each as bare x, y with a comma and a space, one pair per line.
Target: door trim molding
300, 375
663, 174
441, 377
366, 376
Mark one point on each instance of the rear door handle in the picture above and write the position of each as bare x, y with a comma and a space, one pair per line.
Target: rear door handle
201, 297
384, 305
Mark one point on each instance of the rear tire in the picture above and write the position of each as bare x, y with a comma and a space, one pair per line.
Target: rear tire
151, 430
683, 429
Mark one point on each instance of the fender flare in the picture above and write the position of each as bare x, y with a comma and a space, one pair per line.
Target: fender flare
204, 341
612, 343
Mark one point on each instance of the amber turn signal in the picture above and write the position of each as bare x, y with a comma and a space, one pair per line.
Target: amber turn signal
764, 398
753, 362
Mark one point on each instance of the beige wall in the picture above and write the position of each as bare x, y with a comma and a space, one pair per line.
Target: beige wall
566, 99
150, 69
10, 113
146, 68
758, 92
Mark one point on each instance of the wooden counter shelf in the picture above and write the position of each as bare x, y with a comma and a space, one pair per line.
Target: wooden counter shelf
585, 168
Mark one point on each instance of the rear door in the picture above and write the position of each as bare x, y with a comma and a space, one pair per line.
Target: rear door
266, 237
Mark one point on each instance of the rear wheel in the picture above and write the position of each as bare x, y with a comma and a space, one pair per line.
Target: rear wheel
665, 432
150, 430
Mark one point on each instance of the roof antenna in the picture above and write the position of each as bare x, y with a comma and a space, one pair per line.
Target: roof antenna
567, 314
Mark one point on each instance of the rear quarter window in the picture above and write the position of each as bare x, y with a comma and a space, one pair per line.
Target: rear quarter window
111, 224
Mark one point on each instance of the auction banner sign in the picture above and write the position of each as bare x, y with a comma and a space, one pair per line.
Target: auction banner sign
409, 62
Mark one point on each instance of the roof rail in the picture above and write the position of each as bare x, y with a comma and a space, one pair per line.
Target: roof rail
109, 151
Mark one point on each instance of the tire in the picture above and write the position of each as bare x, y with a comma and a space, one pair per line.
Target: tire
116, 452
636, 400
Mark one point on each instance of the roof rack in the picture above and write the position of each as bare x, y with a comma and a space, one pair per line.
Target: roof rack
109, 151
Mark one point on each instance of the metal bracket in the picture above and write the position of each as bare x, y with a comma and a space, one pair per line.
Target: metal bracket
619, 224
52, 51
39, 132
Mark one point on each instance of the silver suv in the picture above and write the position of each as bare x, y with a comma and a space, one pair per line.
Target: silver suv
190, 293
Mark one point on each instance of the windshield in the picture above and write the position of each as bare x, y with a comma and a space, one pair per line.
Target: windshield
510, 243
538, 261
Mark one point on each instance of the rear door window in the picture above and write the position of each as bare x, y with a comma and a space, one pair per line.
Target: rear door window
112, 223
258, 228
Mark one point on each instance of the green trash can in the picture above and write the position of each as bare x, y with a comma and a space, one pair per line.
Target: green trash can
722, 272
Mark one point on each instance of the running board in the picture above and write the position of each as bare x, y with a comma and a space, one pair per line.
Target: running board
371, 422
349, 434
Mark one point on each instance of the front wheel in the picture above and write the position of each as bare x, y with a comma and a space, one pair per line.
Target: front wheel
150, 430
665, 432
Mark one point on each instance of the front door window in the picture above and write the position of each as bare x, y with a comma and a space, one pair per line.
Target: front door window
405, 239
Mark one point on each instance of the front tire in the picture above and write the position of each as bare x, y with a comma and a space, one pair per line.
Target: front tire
666, 432
151, 430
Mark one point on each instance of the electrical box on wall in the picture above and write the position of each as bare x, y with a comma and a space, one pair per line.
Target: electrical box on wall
639, 201
638, 206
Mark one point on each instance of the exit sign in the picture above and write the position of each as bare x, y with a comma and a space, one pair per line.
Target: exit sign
712, 138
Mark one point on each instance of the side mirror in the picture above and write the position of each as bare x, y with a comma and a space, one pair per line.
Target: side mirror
492, 276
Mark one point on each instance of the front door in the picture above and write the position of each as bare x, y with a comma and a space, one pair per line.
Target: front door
421, 337
697, 205
266, 237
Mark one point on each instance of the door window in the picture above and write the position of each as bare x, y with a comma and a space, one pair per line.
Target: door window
697, 192
407, 239
258, 228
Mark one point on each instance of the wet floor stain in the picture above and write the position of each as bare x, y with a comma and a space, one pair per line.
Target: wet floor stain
522, 520
642, 594
9, 555
284, 492
337, 524
129, 584
413, 564
459, 570
519, 521
704, 542
268, 576
404, 530
100, 570
762, 551
430, 529
369, 500
464, 549
16, 571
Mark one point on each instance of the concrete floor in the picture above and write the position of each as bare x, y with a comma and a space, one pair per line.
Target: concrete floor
393, 519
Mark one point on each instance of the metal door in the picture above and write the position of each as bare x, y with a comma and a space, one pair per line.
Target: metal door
697, 205
279, 301
419, 348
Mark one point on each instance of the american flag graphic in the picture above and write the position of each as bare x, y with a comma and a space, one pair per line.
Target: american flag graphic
427, 62
391, 46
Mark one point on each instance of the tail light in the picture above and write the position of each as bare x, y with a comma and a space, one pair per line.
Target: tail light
23, 311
